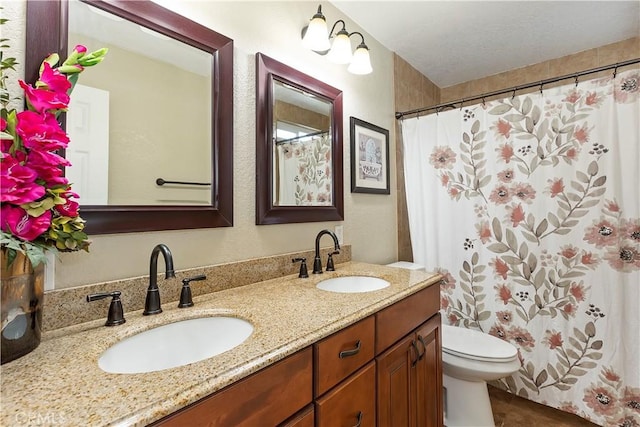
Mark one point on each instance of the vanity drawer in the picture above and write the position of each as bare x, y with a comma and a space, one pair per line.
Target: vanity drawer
352, 403
397, 320
341, 354
267, 397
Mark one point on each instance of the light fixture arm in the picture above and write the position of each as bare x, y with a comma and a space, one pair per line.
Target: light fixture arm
319, 13
343, 30
362, 43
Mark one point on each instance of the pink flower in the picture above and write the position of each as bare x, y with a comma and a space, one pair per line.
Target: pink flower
612, 206
42, 99
70, 208
601, 399
504, 317
41, 131
484, 231
556, 186
18, 182
442, 158
569, 309
627, 89
448, 283
630, 229
502, 128
521, 337
499, 331
624, 258
444, 303
592, 99
453, 319
577, 291
589, 259
568, 251
581, 134
506, 175
454, 192
18, 222
504, 293
572, 97
631, 399
524, 192
54, 80
444, 179
505, 152
610, 375
553, 339
501, 269
571, 154
500, 195
602, 233
515, 214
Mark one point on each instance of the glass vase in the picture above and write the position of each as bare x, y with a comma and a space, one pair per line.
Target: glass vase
22, 297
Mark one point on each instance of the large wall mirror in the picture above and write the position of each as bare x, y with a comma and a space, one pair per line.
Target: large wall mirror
152, 125
298, 146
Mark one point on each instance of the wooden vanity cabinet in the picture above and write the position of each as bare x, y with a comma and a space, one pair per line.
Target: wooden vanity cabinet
385, 370
266, 398
409, 372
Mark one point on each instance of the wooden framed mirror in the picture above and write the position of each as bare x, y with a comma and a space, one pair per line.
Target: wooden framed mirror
154, 207
299, 162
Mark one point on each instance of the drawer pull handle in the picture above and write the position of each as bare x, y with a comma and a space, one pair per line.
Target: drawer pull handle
359, 419
353, 352
415, 347
424, 347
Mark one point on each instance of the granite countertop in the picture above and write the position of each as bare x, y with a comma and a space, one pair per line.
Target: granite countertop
60, 383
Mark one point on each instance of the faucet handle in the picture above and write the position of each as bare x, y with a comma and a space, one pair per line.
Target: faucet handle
303, 267
185, 294
330, 266
116, 314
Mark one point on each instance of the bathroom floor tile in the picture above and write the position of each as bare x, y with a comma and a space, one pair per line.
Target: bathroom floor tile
513, 411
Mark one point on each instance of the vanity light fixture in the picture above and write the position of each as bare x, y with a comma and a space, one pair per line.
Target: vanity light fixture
337, 47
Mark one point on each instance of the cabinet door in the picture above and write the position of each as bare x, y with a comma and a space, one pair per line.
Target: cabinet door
351, 403
395, 372
428, 371
304, 418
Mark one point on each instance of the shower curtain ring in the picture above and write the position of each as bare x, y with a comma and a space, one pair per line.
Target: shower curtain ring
541, 84
461, 104
484, 102
615, 71
576, 78
513, 95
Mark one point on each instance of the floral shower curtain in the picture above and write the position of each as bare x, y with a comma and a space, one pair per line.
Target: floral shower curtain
530, 208
303, 172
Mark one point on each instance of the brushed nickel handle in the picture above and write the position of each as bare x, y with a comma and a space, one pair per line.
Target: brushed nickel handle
353, 352
359, 419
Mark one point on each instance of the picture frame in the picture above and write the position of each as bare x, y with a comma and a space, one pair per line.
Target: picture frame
369, 158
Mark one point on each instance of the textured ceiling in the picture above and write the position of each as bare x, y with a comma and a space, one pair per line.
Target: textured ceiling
456, 41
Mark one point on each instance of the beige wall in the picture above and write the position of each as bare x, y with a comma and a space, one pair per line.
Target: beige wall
272, 28
142, 90
413, 91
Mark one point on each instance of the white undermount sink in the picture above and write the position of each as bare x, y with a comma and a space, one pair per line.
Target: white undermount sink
353, 284
175, 344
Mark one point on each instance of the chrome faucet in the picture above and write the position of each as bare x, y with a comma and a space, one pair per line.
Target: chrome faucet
152, 302
317, 262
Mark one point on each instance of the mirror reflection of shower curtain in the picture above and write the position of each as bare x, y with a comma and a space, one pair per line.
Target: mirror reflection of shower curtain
303, 173
529, 206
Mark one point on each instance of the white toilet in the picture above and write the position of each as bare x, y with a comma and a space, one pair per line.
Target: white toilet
470, 358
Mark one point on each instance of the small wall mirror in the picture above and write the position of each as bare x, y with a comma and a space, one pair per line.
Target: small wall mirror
298, 145
152, 125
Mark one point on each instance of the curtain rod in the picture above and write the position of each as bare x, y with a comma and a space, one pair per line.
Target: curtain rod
295, 138
452, 104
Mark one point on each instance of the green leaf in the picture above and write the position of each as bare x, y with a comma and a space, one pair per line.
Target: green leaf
497, 229
541, 378
596, 345
590, 329
500, 109
600, 181
593, 168
511, 239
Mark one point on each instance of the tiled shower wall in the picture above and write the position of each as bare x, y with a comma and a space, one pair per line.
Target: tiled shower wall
413, 90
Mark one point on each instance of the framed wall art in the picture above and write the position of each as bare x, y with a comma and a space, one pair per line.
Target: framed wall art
369, 158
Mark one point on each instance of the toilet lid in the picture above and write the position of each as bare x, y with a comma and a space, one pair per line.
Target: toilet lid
476, 345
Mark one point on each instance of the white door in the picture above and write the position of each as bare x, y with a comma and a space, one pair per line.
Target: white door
88, 151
